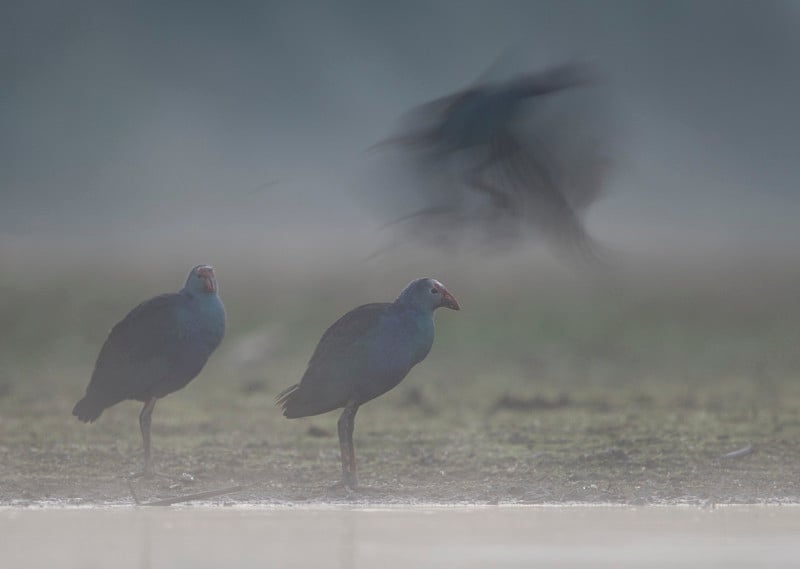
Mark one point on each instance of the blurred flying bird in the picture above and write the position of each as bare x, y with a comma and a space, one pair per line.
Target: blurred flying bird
158, 348
483, 139
364, 354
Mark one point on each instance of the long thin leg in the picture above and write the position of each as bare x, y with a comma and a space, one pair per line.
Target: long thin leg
346, 425
144, 424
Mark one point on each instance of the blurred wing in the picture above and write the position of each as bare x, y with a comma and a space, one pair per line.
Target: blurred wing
420, 126
553, 79
427, 117
437, 108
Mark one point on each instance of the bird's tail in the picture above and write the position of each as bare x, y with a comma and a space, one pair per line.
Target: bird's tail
284, 397
88, 409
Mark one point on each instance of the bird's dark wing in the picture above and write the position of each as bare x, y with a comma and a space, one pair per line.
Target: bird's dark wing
552, 80
420, 126
139, 350
436, 108
336, 364
344, 336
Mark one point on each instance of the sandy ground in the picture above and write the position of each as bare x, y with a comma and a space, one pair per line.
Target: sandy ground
350, 538
558, 456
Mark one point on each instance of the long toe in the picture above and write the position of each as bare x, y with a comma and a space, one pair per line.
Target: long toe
341, 491
349, 480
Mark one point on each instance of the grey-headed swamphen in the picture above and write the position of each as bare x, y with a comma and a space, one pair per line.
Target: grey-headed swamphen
522, 170
158, 348
364, 354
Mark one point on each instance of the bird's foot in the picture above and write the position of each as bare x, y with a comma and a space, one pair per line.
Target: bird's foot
342, 491
348, 483
341, 485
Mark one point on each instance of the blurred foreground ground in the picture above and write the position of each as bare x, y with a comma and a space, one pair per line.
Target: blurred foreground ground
550, 386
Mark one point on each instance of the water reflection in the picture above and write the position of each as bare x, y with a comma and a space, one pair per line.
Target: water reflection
349, 538
348, 544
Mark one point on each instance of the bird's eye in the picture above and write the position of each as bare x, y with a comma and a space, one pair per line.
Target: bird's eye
434, 290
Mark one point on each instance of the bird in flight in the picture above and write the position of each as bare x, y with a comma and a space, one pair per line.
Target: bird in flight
482, 145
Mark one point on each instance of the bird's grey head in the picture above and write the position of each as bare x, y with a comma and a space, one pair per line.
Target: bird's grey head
201, 280
428, 293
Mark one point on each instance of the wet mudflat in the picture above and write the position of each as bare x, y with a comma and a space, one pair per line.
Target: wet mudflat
426, 536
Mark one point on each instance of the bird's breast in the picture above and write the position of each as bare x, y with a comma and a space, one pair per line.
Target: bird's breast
204, 327
403, 343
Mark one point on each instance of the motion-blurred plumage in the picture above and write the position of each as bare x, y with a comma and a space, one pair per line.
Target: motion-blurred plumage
158, 348
364, 354
486, 139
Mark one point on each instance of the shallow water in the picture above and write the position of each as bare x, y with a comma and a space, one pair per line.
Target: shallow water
387, 538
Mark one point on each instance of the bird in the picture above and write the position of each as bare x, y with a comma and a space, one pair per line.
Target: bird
159, 347
481, 138
364, 354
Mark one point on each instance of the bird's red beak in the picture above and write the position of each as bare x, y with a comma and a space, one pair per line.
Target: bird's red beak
449, 301
207, 274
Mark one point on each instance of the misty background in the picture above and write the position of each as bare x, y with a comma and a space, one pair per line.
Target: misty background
140, 139
249, 121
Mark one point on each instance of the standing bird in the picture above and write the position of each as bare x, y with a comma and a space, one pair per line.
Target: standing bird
482, 138
159, 347
364, 354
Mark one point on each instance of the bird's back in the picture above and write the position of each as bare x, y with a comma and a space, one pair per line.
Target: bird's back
362, 355
157, 348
